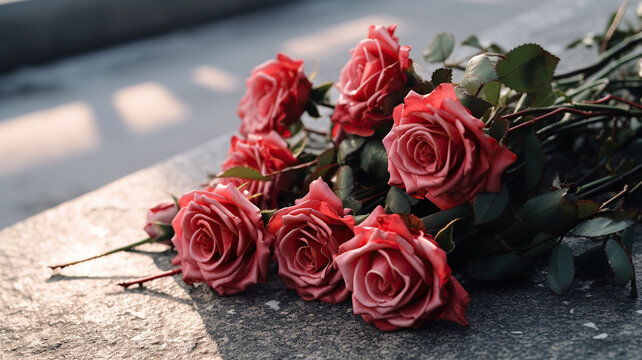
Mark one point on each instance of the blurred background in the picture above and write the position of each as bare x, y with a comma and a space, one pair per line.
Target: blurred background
91, 90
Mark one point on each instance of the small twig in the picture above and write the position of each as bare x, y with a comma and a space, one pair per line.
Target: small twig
613, 97
141, 281
611, 180
615, 198
122, 248
554, 112
616, 22
330, 106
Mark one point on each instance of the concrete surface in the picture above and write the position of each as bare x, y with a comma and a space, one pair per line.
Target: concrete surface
80, 312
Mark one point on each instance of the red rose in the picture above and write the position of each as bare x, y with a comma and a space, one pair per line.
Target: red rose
375, 69
276, 96
307, 235
399, 279
267, 153
221, 240
437, 149
161, 214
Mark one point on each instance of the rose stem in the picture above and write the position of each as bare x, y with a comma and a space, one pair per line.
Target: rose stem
613, 97
150, 278
122, 248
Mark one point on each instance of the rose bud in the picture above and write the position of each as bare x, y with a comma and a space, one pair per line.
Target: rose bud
376, 68
267, 153
438, 150
277, 94
159, 219
399, 278
221, 240
307, 235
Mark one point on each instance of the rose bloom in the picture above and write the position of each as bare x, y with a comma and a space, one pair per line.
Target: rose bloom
399, 278
277, 94
267, 153
376, 68
221, 240
307, 235
162, 213
438, 150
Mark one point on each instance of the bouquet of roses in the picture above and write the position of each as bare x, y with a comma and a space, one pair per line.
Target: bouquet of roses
415, 178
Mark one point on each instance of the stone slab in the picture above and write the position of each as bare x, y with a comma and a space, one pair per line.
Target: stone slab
80, 313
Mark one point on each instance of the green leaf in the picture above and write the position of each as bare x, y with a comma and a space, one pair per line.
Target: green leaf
243, 172
499, 267
527, 68
476, 105
490, 92
438, 220
440, 47
601, 225
348, 147
441, 76
397, 201
619, 262
351, 203
344, 183
498, 128
533, 161
445, 237
561, 270
320, 171
479, 71
295, 128
541, 203
628, 237
312, 110
374, 160
267, 215
299, 146
544, 97
318, 94
327, 157
473, 41
488, 206
358, 219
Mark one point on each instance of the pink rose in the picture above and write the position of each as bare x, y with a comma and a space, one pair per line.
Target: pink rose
399, 278
221, 240
161, 214
438, 150
376, 69
276, 96
307, 235
267, 153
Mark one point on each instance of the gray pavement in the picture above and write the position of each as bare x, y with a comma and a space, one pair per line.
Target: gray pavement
79, 123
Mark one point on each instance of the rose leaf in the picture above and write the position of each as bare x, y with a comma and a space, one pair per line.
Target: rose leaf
499, 267
440, 47
349, 146
603, 225
479, 71
533, 161
441, 76
498, 128
397, 201
243, 172
318, 94
619, 262
488, 206
445, 237
527, 68
561, 269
